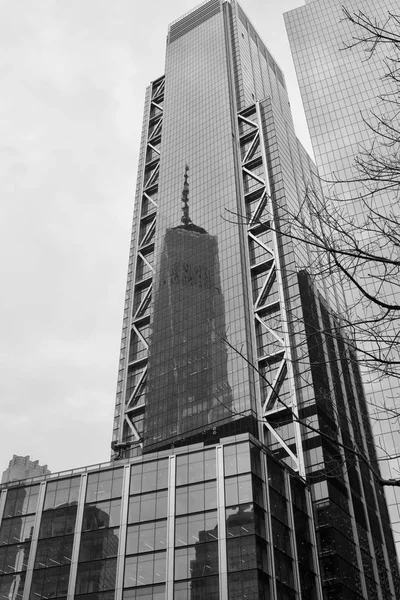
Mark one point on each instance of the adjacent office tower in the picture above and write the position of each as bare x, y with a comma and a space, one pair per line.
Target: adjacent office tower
233, 409
340, 90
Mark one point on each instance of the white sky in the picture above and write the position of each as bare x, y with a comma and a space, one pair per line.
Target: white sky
73, 77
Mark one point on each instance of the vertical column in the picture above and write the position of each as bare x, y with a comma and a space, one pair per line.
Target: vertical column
77, 539
313, 537
171, 529
222, 559
268, 523
292, 533
119, 584
35, 537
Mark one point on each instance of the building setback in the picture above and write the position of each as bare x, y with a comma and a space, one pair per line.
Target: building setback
228, 479
340, 91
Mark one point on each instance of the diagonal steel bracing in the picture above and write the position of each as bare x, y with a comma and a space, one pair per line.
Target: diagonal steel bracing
274, 366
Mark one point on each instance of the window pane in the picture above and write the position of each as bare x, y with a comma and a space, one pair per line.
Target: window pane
99, 544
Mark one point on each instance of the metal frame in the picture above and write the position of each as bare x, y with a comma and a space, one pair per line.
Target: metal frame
119, 583
77, 538
132, 402
221, 506
169, 584
253, 156
34, 541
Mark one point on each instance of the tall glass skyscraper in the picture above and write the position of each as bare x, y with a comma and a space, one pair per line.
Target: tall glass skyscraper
233, 475
340, 90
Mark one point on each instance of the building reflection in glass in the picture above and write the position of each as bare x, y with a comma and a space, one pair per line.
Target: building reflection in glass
188, 384
197, 564
15, 540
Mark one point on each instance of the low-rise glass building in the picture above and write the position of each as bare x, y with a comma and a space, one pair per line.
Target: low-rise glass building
203, 522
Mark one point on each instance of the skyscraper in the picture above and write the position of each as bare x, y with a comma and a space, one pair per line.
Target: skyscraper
340, 90
235, 415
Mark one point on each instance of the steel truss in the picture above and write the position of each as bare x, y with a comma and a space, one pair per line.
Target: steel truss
277, 390
132, 417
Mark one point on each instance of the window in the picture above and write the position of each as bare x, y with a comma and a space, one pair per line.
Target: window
104, 485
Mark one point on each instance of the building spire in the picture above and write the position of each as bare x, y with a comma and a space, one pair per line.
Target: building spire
185, 199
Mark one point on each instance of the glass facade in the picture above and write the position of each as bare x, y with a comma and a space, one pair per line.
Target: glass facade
340, 90
189, 295
222, 336
201, 523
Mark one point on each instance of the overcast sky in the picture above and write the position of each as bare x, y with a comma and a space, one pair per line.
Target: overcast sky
73, 76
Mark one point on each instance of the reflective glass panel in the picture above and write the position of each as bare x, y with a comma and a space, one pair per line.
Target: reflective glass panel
96, 576
104, 485
101, 515
14, 558
99, 544
62, 492
21, 501
12, 586
16, 530
54, 551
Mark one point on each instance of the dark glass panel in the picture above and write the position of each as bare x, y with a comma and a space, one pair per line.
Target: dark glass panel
255, 459
240, 520
153, 592
276, 478
99, 544
278, 506
196, 561
281, 536
283, 568
21, 501
96, 596
285, 593
14, 558
18, 529
12, 586
308, 584
202, 588
54, 552
245, 519
96, 576
101, 515
49, 583
194, 529
301, 523
251, 585
258, 495
58, 522
299, 494
245, 553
